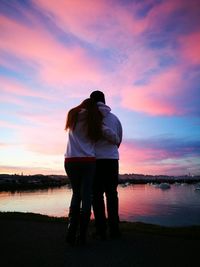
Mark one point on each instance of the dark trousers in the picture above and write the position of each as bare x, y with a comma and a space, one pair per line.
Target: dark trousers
81, 176
106, 181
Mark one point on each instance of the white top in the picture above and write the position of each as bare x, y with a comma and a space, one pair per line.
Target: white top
78, 143
107, 147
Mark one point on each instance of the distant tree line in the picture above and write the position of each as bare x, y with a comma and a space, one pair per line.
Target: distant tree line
38, 181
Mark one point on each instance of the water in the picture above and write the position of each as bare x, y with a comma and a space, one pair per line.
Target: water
177, 206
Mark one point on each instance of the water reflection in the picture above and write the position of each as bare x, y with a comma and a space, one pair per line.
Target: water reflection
179, 205
53, 202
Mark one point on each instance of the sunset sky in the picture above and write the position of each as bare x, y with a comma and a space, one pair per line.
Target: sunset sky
143, 54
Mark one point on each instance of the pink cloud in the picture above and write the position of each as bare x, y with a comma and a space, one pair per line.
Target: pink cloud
155, 98
142, 156
6, 98
54, 62
6, 124
162, 13
10, 86
43, 133
97, 22
189, 48
136, 158
103, 23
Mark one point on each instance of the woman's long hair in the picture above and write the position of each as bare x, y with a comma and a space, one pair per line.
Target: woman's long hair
93, 119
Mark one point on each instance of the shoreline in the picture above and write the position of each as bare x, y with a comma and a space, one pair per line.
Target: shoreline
29, 239
192, 231
36, 182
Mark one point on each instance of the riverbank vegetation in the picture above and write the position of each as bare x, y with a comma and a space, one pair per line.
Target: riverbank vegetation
12, 182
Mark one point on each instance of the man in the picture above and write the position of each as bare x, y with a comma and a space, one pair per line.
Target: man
107, 172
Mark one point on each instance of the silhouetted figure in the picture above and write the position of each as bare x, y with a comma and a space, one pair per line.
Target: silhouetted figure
107, 172
84, 128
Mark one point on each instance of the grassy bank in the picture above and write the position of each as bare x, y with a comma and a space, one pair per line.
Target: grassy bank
29, 239
126, 227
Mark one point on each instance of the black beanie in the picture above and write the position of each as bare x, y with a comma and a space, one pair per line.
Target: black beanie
98, 96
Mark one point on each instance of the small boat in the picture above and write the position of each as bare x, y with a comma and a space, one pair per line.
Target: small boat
164, 186
197, 188
125, 184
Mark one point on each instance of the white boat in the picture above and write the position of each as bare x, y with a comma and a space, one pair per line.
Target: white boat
164, 186
197, 188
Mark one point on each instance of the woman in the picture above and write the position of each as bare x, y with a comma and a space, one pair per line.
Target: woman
84, 128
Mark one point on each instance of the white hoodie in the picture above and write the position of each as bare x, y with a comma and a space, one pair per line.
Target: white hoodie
78, 143
107, 148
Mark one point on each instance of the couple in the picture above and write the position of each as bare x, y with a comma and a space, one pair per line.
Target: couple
91, 163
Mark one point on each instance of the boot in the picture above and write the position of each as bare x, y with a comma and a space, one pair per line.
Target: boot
84, 222
73, 220
99, 216
114, 229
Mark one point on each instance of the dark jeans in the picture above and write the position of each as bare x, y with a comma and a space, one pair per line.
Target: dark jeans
81, 176
106, 181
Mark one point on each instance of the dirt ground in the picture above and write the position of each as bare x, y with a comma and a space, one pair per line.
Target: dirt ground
38, 243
